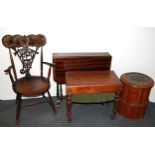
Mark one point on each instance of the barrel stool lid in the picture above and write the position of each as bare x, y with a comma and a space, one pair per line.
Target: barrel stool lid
137, 79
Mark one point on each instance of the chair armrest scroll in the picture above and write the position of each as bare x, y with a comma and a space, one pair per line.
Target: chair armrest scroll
50, 66
8, 71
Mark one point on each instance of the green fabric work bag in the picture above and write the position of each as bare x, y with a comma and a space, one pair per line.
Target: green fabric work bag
93, 98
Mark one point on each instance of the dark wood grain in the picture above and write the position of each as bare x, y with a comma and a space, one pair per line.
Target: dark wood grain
81, 82
90, 82
33, 86
134, 98
79, 61
26, 47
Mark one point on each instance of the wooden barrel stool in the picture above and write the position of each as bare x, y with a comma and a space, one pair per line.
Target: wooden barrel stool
134, 97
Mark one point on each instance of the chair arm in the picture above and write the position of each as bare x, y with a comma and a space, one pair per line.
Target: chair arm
8, 71
50, 66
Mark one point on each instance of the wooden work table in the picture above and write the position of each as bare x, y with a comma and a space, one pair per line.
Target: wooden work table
78, 61
89, 82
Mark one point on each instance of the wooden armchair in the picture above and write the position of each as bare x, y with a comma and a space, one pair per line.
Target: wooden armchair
26, 48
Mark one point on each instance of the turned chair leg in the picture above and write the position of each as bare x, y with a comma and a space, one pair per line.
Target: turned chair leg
18, 108
50, 101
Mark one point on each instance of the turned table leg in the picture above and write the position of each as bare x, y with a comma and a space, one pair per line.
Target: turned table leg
57, 90
69, 114
58, 96
61, 93
114, 112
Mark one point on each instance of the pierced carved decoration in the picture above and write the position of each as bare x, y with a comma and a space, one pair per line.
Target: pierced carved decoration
26, 47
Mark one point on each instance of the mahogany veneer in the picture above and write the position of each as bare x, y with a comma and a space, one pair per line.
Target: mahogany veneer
78, 62
87, 82
134, 98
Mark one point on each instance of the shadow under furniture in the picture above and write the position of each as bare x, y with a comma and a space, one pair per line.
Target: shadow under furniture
26, 48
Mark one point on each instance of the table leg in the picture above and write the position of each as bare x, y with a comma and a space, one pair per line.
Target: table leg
69, 114
57, 90
114, 112
58, 96
61, 94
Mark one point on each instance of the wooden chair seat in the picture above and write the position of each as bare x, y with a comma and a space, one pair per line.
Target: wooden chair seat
33, 86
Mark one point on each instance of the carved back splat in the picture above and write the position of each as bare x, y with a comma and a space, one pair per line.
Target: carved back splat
25, 47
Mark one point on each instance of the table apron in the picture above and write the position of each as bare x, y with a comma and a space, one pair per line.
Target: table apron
86, 90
